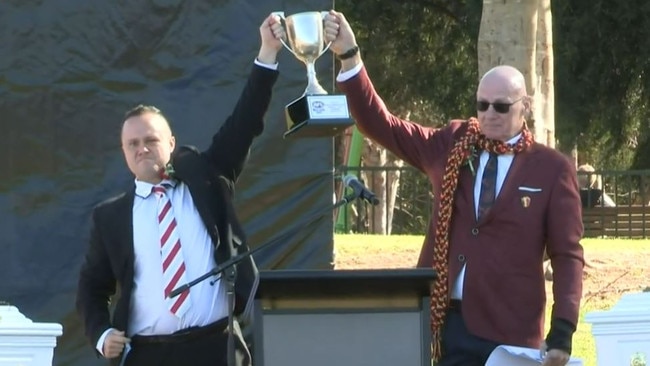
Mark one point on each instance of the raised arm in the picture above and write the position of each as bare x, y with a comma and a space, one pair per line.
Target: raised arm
231, 144
409, 141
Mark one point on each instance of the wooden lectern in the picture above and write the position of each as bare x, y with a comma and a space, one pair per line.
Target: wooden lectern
343, 317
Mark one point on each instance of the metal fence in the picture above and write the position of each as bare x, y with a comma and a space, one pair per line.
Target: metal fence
412, 207
627, 190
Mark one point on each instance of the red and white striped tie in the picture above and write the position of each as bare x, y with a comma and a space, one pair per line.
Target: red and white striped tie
173, 266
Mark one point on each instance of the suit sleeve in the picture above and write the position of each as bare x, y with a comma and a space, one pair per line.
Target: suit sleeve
96, 286
564, 231
411, 142
231, 144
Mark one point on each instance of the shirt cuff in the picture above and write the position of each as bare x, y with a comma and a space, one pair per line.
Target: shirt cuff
268, 66
100, 342
347, 75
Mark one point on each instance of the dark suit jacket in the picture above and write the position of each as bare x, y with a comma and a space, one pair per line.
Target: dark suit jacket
538, 209
210, 176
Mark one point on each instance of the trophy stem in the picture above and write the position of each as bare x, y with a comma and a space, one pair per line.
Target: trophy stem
313, 87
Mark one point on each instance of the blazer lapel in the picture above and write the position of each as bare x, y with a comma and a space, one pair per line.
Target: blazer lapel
514, 177
466, 182
198, 182
124, 229
122, 236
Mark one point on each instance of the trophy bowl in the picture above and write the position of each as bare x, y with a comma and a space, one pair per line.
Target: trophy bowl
306, 41
315, 113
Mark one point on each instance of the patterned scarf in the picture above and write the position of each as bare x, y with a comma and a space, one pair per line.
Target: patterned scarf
472, 141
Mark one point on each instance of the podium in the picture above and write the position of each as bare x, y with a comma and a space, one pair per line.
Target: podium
343, 317
24, 342
622, 334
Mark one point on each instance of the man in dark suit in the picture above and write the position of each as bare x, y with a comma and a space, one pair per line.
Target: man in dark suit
174, 225
501, 201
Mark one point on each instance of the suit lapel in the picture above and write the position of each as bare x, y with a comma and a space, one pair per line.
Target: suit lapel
198, 182
122, 236
125, 230
514, 177
466, 183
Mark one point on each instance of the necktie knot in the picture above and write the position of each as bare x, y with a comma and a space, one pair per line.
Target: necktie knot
160, 189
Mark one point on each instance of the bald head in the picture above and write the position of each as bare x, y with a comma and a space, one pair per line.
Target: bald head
503, 90
508, 77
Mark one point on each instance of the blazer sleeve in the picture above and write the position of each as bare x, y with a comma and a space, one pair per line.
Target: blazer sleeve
96, 286
411, 142
564, 231
230, 146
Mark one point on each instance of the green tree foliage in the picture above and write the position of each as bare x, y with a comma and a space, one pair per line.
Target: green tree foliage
602, 53
421, 55
422, 58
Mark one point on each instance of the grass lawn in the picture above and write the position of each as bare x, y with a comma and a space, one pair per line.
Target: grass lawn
615, 267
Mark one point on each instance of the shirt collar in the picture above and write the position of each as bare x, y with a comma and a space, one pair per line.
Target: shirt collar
143, 189
514, 140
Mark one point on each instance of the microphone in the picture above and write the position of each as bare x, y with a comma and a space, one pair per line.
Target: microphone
360, 190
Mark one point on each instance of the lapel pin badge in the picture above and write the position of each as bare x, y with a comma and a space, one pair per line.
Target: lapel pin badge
525, 201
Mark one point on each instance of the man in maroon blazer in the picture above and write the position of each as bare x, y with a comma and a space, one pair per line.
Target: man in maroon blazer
501, 201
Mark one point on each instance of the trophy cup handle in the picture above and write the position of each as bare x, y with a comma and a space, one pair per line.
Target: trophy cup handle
327, 47
282, 20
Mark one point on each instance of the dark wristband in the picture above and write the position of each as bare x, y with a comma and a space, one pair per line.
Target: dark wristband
349, 53
560, 335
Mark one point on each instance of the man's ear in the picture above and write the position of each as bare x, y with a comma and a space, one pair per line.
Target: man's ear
172, 142
527, 102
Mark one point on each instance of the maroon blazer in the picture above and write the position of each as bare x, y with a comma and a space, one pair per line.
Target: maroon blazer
538, 209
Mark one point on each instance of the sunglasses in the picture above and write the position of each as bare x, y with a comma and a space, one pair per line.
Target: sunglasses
499, 107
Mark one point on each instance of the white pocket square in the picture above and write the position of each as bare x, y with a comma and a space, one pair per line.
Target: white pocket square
529, 189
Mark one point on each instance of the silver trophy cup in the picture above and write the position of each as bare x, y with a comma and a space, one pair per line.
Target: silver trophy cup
315, 113
305, 37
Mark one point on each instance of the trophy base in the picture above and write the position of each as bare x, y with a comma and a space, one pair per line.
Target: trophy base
317, 116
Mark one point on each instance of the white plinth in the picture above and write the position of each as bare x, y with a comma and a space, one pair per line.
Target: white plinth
623, 333
23, 342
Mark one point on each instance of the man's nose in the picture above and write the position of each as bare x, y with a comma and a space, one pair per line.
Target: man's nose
491, 110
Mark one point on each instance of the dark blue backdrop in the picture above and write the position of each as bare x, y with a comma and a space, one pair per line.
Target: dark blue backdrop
68, 71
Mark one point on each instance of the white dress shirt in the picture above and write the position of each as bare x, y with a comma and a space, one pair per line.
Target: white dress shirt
503, 165
148, 314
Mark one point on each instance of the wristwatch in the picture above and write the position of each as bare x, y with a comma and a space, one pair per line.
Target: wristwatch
349, 53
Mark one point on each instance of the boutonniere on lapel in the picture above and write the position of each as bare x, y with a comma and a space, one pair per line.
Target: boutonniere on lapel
468, 159
168, 172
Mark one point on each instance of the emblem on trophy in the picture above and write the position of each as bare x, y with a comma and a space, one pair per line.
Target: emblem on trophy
315, 113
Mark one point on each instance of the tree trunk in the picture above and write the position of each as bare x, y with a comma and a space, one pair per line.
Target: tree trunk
519, 34
507, 36
544, 110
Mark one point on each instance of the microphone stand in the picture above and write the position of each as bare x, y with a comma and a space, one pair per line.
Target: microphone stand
229, 268
231, 275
